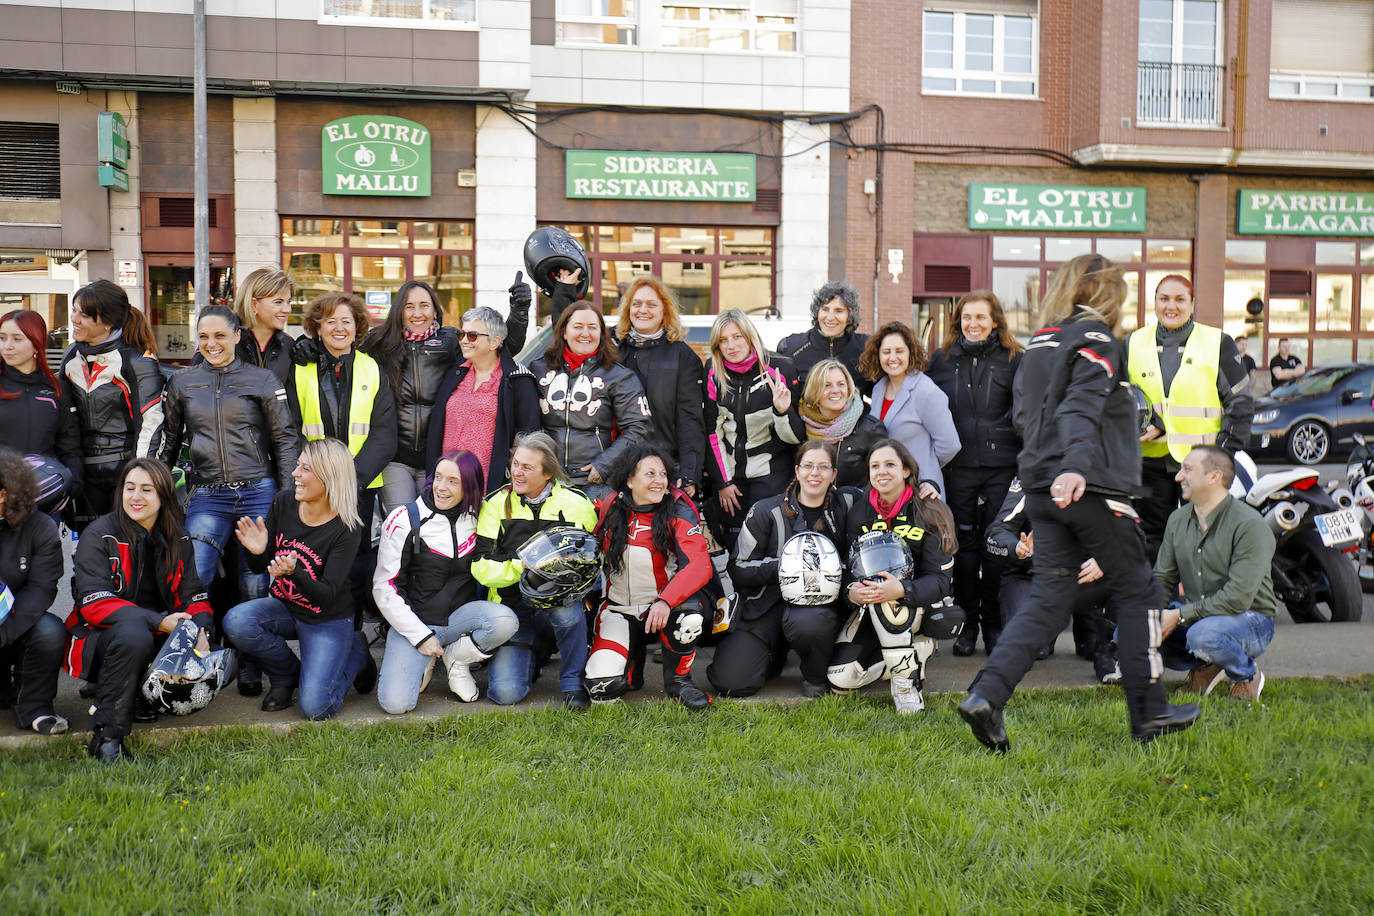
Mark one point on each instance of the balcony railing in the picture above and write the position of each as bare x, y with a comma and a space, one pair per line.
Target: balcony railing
1179, 94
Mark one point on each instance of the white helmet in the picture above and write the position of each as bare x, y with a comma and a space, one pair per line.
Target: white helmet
809, 569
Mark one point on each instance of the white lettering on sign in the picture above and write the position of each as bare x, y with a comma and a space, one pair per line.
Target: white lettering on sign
365, 182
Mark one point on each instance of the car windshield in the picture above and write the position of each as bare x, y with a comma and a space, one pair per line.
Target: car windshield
1313, 383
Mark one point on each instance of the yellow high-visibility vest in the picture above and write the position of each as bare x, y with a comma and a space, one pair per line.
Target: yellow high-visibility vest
1192, 410
367, 380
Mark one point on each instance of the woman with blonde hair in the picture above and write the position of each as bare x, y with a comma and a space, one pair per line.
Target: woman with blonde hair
752, 427
307, 544
649, 336
263, 304
833, 410
976, 369
1079, 467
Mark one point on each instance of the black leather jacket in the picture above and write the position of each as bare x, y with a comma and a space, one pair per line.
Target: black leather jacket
674, 380
977, 378
236, 421
805, 350
853, 464
415, 369
117, 392
39, 421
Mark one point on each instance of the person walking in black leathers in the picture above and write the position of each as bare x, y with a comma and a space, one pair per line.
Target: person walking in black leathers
833, 334
1079, 467
976, 368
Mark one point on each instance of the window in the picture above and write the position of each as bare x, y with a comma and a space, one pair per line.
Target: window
1322, 49
1179, 80
377, 256
730, 25
707, 269
976, 53
596, 22
408, 13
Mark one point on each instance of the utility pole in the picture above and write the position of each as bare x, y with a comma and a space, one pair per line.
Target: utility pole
202, 164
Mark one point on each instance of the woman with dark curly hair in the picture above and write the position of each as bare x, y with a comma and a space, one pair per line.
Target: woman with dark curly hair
911, 406
31, 639
834, 332
657, 563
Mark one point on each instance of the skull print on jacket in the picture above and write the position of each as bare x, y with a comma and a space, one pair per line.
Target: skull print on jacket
592, 413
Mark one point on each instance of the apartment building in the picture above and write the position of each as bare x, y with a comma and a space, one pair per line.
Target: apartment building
1231, 141
361, 143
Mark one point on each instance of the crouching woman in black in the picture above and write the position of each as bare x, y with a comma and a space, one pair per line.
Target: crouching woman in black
755, 648
135, 578
880, 638
31, 639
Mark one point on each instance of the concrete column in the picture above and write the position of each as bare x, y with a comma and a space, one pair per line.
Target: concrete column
505, 204
126, 221
257, 229
803, 254
1209, 249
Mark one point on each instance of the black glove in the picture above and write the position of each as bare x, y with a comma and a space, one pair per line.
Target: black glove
306, 350
564, 294
520, 294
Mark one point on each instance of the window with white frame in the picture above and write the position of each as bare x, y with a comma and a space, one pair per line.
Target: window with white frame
731, 25
597, 22
982, 52
1179, 72
1322, 50
400, 12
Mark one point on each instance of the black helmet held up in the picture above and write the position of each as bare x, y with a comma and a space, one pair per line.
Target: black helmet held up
181, 680
877, 552
561, 565
1144, 410
549, 250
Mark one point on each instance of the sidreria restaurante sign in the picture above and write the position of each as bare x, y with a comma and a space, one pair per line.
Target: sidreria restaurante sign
375, 155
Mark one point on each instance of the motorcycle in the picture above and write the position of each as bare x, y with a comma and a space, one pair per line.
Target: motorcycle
1359, 480
1315, 538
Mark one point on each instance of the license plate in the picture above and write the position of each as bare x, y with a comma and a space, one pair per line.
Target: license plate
1339, 527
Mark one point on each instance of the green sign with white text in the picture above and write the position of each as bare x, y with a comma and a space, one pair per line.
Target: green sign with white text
631, 175
375, 155
112, 139
1059, 208
1304, 213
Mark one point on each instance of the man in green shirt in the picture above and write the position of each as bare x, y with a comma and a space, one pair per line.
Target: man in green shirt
1219, 549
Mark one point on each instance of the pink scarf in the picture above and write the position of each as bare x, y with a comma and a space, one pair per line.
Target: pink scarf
888, 511
743, 366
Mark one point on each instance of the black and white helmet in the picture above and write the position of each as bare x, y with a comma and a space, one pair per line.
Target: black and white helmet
549, 250
877, 552
809, 569
562, 564
181, 680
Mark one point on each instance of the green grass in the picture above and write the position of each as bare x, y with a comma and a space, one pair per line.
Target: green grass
831, 806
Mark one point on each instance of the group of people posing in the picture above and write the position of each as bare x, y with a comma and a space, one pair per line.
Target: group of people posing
621, 432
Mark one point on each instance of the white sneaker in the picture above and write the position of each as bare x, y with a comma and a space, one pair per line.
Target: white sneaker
907, 696
458, 660
429, 673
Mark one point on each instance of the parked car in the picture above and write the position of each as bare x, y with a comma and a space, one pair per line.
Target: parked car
1311, 418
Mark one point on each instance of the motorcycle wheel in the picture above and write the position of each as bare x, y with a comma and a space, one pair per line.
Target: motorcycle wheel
1323, 577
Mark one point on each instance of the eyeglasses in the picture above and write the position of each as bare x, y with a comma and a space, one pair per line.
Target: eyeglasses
471, 336
815, 468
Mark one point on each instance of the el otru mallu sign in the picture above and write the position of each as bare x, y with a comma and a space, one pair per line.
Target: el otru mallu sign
1061, 208
1305, 213
375, 155
629, 175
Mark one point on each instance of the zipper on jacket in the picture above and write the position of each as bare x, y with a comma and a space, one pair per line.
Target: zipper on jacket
415, 346
219, 429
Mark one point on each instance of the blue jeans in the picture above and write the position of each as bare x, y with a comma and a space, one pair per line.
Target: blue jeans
403, 667
1229, 642
511, 671
211, 514
332, 652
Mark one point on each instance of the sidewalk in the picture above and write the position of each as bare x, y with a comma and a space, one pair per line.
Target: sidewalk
1311, 650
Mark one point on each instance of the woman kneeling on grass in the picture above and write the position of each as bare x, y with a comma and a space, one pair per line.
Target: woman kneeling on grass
424, 588
881, 637
657, 563
134, 577
307, 544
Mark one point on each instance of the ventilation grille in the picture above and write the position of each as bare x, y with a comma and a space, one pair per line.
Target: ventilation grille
180, 213
948, 279
768, 200
1290, 283
29, 164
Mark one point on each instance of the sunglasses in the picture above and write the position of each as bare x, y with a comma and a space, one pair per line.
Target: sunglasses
471, 336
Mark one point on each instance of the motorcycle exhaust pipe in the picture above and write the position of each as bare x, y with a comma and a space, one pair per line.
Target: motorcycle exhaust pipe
1343, 497
1284, 517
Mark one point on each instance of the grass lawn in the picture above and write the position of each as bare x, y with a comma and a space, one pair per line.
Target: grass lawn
831, 806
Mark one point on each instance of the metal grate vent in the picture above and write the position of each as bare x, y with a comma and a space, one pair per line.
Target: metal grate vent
768, 200
180, 213
29, 164
948, 278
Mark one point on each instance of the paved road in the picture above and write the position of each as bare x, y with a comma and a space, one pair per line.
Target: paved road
1322, 650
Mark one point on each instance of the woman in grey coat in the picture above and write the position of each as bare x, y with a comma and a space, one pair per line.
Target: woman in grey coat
914, 409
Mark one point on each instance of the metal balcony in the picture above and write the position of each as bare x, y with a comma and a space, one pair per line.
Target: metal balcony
1187, 94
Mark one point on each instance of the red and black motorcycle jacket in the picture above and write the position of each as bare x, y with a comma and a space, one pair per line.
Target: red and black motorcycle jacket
109, 573
646, 575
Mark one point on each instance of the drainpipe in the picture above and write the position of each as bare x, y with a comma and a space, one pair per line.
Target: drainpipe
202, 164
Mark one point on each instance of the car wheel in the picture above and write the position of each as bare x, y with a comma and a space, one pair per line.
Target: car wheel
1309, 442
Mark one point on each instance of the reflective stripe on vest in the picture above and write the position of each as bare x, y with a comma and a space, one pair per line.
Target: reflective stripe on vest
1192, 411
367, 378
